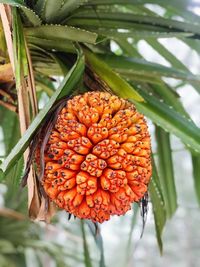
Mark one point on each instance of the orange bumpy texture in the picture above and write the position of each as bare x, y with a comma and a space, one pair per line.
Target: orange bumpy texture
97, 159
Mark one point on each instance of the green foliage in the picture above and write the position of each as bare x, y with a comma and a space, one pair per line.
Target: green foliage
166, 171
63, 38
159, 204
170, 120
61, 34
196, 174
85, 247
99, 241
131, 67
66, 87
112, 79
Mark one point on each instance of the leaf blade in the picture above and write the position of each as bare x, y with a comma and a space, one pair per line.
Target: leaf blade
113, 80
196, 175
99, 241
61, 33
166, 173
71, 79
170, 120
130, 66
87, 258
158, 206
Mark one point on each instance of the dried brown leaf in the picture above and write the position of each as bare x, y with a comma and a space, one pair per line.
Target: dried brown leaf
6, 73
46, 213
8, 106
5, 12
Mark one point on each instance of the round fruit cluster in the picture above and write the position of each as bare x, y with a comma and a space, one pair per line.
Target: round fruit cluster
98, 157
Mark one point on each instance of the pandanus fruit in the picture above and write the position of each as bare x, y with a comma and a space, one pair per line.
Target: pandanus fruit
97, 160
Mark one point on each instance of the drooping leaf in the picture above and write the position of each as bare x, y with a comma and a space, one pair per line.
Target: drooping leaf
173, 60
167, 95
66, 87
175, 3
158, 206
10, 124
132, 227
142, 33
196, 175
130, 66
113, 80
87, 258
166, 173
48, 44
48, 9
30, 17
61, 33
99, 241
170, 120
128, 49
55, 11
45, 84
128, 20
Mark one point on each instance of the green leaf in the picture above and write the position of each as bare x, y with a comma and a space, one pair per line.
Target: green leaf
112, 79
194, 44
20, 58
176, 3
95, 24
66, 46
68, 84
10, 124
158, 206
166, 172
183, 12
166, 94
156, 86
39, 7
45, 84
50, 9
135, 212
87, 259
30, 17
170, 120
127, 20
128, 48
6, 246
56, 11
99, 241
130, 66
1, 174
196, 175
142, 33
159, 88
173, 60
13, 177
61, 33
